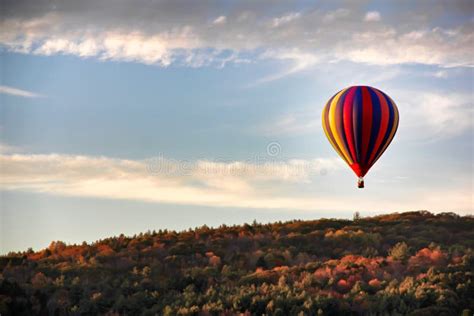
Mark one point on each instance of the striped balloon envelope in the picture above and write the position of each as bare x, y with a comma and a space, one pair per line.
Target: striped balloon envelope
360, 122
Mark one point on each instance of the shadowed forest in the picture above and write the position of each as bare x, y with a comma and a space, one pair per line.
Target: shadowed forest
414, 263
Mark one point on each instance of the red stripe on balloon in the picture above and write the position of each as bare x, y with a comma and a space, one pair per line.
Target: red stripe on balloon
348, 122
366, 124
339, 118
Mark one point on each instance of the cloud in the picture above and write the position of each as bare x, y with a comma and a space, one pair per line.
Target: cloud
5, 148
220, 20
298, 61
233, 184
265, 185
427, 46
442, 74
431, 116
287, 18
372, 16
18, 92
165, 33
296, 122
338, 14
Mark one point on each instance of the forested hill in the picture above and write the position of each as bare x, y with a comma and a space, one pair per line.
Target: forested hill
413, 263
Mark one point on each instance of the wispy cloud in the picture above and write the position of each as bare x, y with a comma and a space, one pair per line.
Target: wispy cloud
372, 16
220, 20
431, 116
164, 33
307, 120
298, 61
18, 92
287, 18
234, 184
5, 148
207, 183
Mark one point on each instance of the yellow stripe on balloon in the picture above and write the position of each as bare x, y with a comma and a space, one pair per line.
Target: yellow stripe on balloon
332, 125
329, 135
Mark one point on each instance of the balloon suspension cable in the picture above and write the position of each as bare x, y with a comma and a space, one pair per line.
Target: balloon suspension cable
360, 183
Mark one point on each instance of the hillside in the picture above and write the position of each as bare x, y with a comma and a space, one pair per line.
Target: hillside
413, 263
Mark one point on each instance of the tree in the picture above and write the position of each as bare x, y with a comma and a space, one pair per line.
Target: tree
328, 266
261, 263
400, 252
356, 216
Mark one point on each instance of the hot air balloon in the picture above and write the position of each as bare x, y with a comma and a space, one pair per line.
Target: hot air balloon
360, 122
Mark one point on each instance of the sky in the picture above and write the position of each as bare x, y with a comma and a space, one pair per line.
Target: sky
120, 117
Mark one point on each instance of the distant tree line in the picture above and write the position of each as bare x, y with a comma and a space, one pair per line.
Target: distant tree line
414, 263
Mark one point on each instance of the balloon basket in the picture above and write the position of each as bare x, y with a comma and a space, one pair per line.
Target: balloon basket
360, 183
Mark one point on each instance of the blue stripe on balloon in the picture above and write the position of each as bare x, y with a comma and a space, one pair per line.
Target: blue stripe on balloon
357, 122
389, 126
376, 118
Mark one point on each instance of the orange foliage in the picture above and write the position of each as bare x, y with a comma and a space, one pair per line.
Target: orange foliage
353, 278
57, 246
158, 245
323, 273
214, 260
343, 285
72, 251
36, 255
105, 250
374, 283
421, 276
281, 269
427, 257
